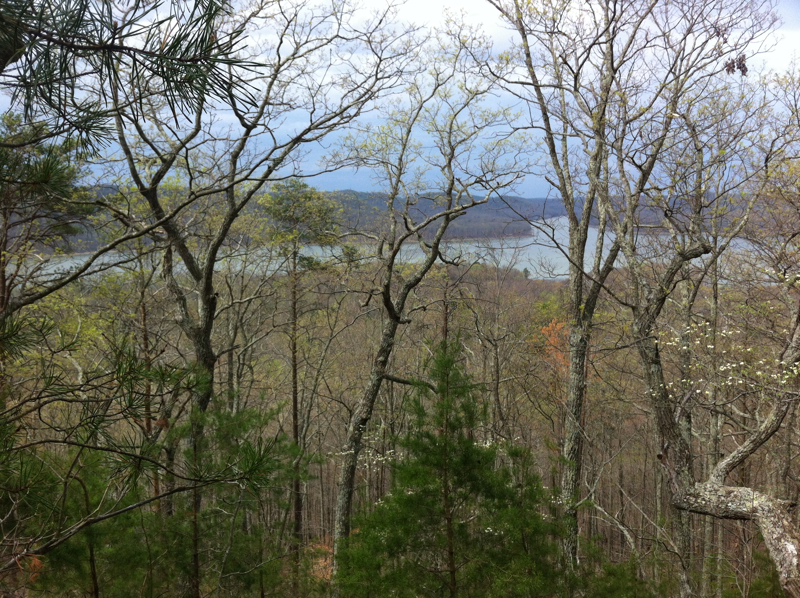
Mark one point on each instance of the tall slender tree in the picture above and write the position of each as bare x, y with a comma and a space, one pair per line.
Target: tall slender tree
470, 160
300, 216
606, 81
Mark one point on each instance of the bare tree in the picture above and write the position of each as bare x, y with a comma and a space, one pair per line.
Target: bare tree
438, 153
717, 164
603, 82
191, 178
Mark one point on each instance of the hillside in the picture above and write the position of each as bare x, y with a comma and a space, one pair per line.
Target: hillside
497, 218
364, 211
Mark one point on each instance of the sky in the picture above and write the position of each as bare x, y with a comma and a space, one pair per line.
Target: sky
429, 12
788, 36
479, 12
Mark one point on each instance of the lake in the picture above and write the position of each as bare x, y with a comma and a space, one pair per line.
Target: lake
539, 253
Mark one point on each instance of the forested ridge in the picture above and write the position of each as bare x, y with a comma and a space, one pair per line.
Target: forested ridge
217, 379
500, 217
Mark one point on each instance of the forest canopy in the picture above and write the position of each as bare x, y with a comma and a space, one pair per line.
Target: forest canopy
219, 378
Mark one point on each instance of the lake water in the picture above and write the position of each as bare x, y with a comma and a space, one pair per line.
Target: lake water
542, 253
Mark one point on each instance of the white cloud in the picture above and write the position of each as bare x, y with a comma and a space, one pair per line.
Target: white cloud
787, 46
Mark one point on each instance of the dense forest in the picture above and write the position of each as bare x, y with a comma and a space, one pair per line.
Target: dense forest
499, 218
218, 380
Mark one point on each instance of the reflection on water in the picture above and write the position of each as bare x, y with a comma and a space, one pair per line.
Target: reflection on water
543, 253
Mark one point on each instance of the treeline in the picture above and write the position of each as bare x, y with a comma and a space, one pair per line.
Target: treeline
459, 463
500, 217
112, 406
246, 386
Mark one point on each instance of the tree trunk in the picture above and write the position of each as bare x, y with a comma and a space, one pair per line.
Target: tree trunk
297, 530
355, 433
713, 497
452, 583
773, 517
573, 438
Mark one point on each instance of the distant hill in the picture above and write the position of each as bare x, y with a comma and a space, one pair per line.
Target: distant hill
504, 217
500, 217
365, 211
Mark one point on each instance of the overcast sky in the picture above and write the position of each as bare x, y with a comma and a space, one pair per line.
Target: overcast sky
479, 12
430, 12
789, 34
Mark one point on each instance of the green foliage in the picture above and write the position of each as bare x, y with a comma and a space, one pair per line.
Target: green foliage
149, 551
300, 215
62, 58
31, 169
765, 581
37, 190
454, 509
108, 463
19, 334
466, 516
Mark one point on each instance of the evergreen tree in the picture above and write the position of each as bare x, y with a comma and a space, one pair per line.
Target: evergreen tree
61, 59
467, 516
299, 216
464, 518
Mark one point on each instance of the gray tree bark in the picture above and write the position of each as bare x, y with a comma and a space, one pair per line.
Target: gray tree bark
712, 496
773, 517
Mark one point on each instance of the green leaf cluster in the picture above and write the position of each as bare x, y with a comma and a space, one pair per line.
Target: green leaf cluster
300, 215
466, 516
